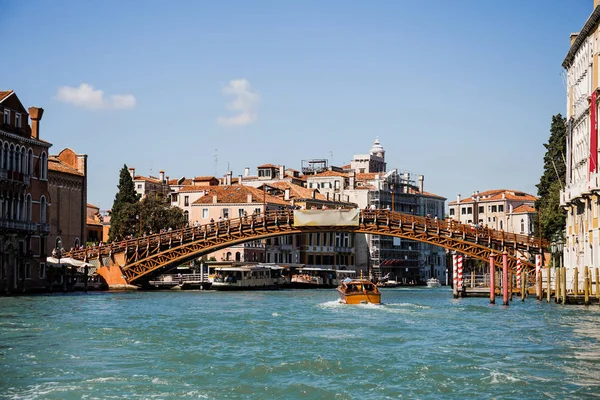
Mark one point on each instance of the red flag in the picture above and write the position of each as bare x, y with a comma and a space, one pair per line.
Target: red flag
593, 136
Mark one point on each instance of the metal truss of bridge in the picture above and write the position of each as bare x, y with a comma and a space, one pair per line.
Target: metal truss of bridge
142, 258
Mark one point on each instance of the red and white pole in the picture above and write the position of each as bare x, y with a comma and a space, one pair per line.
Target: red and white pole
505, 278
455, 276
460, 275
519, 273
492, 280
538, 276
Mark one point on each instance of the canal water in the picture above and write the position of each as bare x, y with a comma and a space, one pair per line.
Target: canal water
420, 344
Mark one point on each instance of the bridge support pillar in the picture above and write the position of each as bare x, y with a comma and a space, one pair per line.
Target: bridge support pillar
492, 280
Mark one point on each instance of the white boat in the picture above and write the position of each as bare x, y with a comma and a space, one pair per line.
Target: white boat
433, 282
245, 278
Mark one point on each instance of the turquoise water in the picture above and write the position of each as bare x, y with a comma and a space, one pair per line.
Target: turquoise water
420, 344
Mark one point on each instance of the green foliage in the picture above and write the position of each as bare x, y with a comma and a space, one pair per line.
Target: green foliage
548, 204
124, 209
157, 213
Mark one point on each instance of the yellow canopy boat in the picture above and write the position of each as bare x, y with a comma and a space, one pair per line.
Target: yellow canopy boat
359, 291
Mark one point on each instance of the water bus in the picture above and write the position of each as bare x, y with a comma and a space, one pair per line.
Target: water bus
246, 278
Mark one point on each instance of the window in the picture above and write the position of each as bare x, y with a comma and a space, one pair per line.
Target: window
17, 120
470, 210
139, 185
186, 215
500, 224
257, 211
481, 209
42, 270
336, 185
44, 166
463, 211
186, 201
522, 225
240, 213
6, 116
225, 213
310, 185
494, 209
501, 208
43, 210
452, 211
204, 213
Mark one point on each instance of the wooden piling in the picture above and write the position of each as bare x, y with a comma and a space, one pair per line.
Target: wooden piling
472, 279
523, 284
548, 285
511, 277
492, 279
505, 278
597, 286
563, 286
538, 276
575, 281
586, 287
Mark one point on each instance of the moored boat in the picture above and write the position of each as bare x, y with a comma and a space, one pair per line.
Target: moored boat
245, 278
433, 283
359, 291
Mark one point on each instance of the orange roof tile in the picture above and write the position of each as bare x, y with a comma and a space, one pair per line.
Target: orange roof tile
495, 195
523, 209
237, 194
367, 176
327, 173
92, 221
203, 178
186, 181
268, 166
54, 164
192, 188
92, 206
146, 179
5, 94
433, 195
296, 191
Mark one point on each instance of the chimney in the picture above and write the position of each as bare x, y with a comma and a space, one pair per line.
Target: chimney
161, 176
286, 195
35, 114
132, 172
240, 179
167, 179
421, 179
249, 199
503, 196
352, 180
510, 208
228, 178
574, 35
215, 199
246, 171
458, 199
281, 171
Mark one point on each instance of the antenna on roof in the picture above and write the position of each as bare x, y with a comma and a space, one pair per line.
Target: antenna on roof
216, 161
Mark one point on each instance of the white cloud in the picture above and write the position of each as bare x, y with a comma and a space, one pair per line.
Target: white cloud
85, 96
244, 103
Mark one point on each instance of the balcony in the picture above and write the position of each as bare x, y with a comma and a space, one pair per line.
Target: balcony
15, 177
44, 228
285, 247
579, 189
18, 226
339, 249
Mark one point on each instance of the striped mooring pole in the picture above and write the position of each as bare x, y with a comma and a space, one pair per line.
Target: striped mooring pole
455, 276
460, 275
492, 283
538, 276
505, 278
519, 273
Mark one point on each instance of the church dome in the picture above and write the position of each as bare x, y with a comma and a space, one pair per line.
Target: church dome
377, 149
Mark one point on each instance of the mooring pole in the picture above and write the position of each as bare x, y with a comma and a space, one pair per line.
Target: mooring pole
538, 276
548, 284
460, 276
586, 286
523, 284
492, 283
505, 277
455, 276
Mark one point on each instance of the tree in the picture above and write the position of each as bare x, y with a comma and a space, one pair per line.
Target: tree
157, 213
124, 209
550, 214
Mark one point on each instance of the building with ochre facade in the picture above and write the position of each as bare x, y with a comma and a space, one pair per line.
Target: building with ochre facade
581, 195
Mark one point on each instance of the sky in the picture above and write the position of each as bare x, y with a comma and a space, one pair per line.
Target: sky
460, 91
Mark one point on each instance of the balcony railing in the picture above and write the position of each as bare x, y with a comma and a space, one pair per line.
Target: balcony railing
582, 188
44, 228
15, 177
22, 226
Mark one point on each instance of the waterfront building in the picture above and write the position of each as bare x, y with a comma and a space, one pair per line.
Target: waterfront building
367, 183
24, 197
581, 194
97, 229
67, 185
145, 185
501, 209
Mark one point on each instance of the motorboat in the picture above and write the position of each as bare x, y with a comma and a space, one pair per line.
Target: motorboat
359, 291
433, 283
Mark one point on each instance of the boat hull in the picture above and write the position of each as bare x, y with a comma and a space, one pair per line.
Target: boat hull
360, 298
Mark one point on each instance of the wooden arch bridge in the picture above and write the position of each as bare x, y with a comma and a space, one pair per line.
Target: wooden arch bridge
143, 258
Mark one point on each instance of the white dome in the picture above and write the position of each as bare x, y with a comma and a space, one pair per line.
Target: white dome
377, 149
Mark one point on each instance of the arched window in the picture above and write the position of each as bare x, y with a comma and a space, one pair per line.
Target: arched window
238, 256
500, 224
44, 166
186, 215
5, 156
43, 209
76, 244
228, 256
30, 162
28, 206
11, 155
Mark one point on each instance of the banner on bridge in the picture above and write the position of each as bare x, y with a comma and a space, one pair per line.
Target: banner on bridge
327, 217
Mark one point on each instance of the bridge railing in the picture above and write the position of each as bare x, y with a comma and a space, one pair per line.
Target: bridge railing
446, 227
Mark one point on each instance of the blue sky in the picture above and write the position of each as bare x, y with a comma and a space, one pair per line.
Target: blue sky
460, 91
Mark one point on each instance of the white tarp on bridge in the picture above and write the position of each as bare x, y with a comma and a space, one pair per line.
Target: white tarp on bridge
326, 217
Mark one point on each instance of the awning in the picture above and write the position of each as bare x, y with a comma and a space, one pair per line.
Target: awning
68, 261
